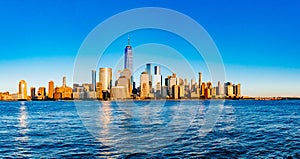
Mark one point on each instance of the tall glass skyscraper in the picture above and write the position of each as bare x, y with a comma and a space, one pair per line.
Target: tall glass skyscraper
93, 80
128, 61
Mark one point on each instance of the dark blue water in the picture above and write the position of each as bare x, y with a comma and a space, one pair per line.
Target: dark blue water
243, 129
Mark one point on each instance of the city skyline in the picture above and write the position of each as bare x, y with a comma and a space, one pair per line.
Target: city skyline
258, 45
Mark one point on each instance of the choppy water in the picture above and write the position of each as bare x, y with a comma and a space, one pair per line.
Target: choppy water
242, 129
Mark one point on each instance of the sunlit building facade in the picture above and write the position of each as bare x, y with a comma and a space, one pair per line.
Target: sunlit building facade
144, 85
105, 78
22, 90
50, 90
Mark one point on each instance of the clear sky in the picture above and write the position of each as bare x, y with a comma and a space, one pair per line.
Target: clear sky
259, 41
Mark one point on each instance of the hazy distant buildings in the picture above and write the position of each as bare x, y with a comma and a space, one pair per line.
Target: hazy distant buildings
22, 90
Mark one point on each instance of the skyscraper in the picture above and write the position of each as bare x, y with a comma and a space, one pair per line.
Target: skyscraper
200, 82
64, 81
157, 81
42, 93
93, 80
144, 88
128, 60
148, 69
105, 78
22, 90
50, 90
32, 92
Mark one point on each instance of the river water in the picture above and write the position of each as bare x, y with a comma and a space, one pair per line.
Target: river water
150, 129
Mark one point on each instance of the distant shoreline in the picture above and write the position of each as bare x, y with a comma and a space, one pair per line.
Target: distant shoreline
127, 100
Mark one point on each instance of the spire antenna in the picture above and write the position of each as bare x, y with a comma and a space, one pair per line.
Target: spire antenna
128, 40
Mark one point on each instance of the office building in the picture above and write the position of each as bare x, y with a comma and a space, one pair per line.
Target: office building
93, 80
237, 90
32, 93
99, 94
144, 85
220, 90
148, 70
203, 86
200, 82
128, 60
63, 92
228, 87
119, 92
64, 81
22, 90
175, 91
105, 78
123, 83
51, 90
157, 81
42, 93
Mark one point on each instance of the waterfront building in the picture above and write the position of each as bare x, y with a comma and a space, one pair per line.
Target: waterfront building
64, 81
148, 70
105, 78
42, 93
237, 90
32, 93
144, 85
125, 83
164, 92
119, 92
228, 87
213, 92
51, 90
99, 94
175, 91
63, 92
87, 87
207, 94
181, 91
200, 82
125, 80
157, 81
22, 95
6, 96
220, 90
203, 86
93, 80
75, 85
92, 95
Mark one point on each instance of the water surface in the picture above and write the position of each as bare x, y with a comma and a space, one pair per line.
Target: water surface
243, 129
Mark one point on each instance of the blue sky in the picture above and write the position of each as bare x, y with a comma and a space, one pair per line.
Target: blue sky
258, 40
